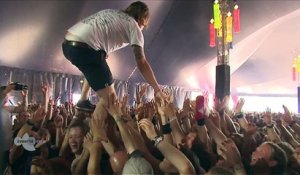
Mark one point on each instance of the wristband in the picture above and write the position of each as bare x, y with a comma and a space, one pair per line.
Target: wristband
157, 140
239, 115
201, 122
166, 129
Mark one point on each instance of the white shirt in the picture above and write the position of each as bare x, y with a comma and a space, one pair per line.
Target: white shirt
108, 30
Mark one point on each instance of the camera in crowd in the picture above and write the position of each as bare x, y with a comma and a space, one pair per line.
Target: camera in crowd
18, 86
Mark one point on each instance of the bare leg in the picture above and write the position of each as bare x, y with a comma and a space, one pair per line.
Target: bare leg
85, 92
103, 95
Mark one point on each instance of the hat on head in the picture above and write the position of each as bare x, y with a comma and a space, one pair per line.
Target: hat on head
137, 165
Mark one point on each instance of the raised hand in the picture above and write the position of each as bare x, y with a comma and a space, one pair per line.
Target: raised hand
221, 104
148, 127
230, 153
58, 121
186, 109
140, 93
114, 106
88, 140
124, 104
161, 106
8, 88
268, 116
167, 95
250, 129
150, 110
44, 89
239, 106
39, 114
98, 129
24, 93
287, 117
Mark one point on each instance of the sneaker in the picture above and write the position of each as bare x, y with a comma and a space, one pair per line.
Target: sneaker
85, 105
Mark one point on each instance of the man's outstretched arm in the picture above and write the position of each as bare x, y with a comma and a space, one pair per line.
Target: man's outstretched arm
144, 67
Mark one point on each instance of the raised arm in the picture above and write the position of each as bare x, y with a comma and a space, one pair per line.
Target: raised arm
162, 108
144, 67
273, 136
114, 109
287, 117
172, 154
23, 106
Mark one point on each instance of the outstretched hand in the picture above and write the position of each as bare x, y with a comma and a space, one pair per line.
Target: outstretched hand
114, 106
148, 127
268, 116
287, 117
221, 104
230, 153
98, 129
239, 106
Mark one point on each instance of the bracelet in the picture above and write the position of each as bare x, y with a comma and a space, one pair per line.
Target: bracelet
270, 126
292, 123
201, 122
239, 115
157, 140
166, 129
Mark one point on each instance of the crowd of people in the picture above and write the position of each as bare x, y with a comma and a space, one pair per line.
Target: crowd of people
152, 137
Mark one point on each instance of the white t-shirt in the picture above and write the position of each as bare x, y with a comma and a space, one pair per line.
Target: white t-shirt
108, 30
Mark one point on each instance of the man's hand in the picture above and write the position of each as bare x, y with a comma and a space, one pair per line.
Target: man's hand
98, 128
58, 121
230, 153
39, 114
148, 127
268, 116
114, 106
239, 106
287, 117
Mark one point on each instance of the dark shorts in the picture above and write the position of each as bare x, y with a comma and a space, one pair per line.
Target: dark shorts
90, 62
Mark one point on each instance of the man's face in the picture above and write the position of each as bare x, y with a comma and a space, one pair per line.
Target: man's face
76, 137
297, 154
262, 154
23, 116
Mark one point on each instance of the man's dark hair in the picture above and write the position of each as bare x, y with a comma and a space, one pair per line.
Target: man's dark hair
138, 10
79, 123
280, 157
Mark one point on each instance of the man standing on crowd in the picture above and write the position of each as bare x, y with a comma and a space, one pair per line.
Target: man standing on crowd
88, 43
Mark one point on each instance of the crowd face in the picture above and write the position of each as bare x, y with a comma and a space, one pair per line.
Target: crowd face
76, 137
262, 154
297, 154
23, 117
